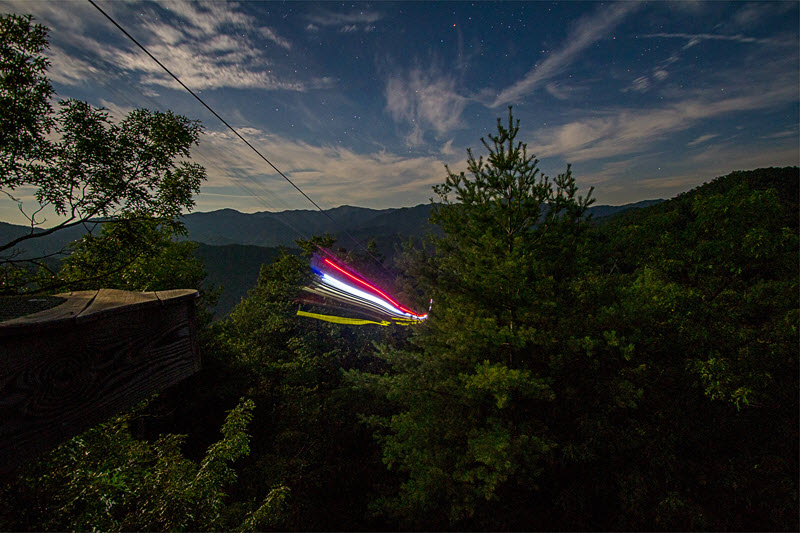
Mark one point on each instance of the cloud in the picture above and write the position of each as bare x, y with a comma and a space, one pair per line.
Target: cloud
719, 161
660, 74
751, 14
587, 31
702, 139
626, 131
69, 69
353, 21
272, 36
640, 84
424, 100
643, 176
447, 148
781, 134
733, 157
693, 39
207, 45
331, 175
557, 91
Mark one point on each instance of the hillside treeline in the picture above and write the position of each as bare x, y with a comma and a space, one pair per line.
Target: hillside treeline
635, 373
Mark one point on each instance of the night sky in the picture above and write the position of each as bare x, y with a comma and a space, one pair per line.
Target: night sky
363, 104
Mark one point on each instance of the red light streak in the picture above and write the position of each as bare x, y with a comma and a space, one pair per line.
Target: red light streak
372, 288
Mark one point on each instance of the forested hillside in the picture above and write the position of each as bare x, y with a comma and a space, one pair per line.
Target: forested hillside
635, 373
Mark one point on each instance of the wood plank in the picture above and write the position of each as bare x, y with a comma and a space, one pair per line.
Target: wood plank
108, 299
75, 303
12, 307
59, 382
175, 294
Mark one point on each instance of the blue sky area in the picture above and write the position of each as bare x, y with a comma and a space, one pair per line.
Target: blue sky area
364, 103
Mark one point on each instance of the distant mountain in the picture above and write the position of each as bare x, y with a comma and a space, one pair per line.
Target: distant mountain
600, 211
228, 226
234, 245
42, 246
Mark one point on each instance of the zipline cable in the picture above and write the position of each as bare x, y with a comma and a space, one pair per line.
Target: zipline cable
168, 71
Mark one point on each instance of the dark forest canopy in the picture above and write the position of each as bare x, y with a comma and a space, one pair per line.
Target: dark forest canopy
640, 373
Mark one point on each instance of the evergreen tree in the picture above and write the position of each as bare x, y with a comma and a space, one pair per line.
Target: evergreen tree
473, 389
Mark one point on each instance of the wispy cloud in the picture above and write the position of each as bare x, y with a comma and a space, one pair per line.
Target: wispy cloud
752, 14
586, 32
718, 161
272, 36
425, 100
328, 174
693, 39
702, 139
626, 131
781, 134
204, 52
68, 69
660, 72
207, 45
352, 21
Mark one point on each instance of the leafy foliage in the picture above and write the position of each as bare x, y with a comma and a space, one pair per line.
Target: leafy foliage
108, 480
135, 255
25, 110
93, 167
310, 440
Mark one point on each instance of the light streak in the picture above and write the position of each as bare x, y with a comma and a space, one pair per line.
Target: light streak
375, 289
365, 296
395, 310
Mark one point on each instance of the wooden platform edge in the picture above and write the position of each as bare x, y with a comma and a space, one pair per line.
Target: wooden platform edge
58, 381
84, 306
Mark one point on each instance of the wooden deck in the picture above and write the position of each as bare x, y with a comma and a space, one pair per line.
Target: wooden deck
95, 354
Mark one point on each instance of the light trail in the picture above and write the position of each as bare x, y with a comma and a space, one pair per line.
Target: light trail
365, 297
375, 289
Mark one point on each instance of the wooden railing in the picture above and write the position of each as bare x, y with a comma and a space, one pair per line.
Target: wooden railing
97, 353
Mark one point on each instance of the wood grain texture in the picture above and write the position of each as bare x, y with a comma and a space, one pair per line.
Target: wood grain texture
61, 380
108, 299
75, 303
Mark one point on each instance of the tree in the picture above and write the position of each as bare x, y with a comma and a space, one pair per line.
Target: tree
310, 440
91, 168
105, 479
473, 388
709, 298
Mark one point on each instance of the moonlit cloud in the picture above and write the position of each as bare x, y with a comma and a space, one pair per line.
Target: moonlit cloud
327, 173
629, 131
425, 101
207, 45
781, 134
272, 36
660, 74
703, 138
357, 20
204, 53
640, 84
557, 91
693, 39
586, 32
69, 69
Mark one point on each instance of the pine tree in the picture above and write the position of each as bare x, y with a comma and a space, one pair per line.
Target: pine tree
472, 389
